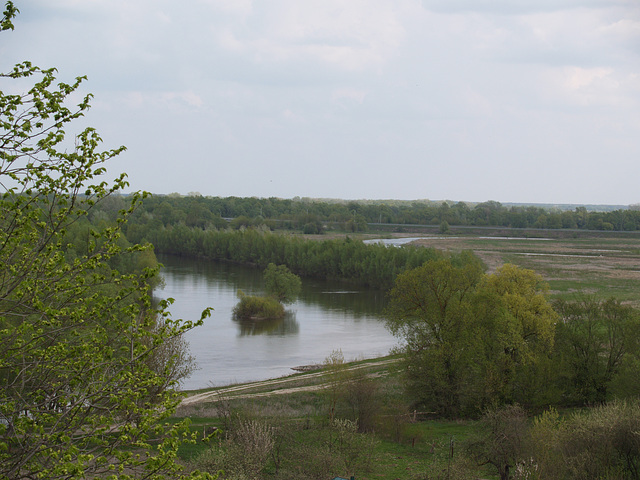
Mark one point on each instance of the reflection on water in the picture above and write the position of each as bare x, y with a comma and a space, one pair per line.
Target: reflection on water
278, 326
326, 317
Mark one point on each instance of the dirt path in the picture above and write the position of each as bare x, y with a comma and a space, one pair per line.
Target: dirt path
276, 386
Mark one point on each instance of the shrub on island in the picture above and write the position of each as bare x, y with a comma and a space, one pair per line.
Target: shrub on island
252, 307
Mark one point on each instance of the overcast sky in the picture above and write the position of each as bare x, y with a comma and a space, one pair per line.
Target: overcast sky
474, 100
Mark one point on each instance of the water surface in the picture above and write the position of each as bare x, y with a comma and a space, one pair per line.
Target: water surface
327, 316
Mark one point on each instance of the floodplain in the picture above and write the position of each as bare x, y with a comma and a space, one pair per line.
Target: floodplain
400, 445
600, 264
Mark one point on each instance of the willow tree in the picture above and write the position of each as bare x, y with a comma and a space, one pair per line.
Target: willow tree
472, 340
82, 393
430, 310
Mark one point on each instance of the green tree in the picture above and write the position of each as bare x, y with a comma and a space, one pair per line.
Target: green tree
281, 283
82, 393
598, 347
522, 337
471, 340
429, 309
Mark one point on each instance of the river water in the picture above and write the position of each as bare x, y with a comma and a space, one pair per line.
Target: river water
327, 316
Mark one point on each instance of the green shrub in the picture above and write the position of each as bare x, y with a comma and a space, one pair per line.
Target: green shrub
243, 456
253, 307
601, 442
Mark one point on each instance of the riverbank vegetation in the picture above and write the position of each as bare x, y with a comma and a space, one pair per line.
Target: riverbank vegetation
344, 258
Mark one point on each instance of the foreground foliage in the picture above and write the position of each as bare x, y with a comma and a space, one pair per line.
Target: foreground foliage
600, 442
87, 366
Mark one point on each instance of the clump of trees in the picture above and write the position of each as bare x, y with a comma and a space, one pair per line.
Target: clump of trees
473, 340
597, 350
470, 339
88, 367
281, 286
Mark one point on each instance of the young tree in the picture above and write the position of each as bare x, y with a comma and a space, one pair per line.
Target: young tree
596, 343
502, 440
281, 283
82, 394
338, 376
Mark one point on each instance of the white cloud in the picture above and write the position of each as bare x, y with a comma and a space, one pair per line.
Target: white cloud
349, 94
162, 100
241, 7
289, 115
351, 35
518, 7
597, 87
580, 79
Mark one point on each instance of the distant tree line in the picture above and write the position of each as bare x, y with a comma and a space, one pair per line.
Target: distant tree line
313, 216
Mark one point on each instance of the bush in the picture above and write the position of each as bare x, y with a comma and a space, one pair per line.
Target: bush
362, 396
448, 462
328, 450
501, 443
601, 442
257, 308
244, 455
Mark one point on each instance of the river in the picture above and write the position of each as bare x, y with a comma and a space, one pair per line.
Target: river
327, 316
